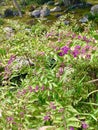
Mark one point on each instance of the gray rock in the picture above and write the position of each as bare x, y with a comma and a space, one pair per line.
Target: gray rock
56, 9
36, 13
94, 10
66, 22
83, 20
45, 12
57, 4
50, 3
20, 62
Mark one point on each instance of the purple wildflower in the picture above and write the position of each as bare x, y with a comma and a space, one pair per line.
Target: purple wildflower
71, 128
24, 91
75, 53
61, 110
79, 37
88, 56
61, 54
12, 58
46, 118
65, 49
73, 36
52, 106
61, 70
22, 114
36, 89
43, 88
10, 119
78, 47
84, 125
83, 51
30, 89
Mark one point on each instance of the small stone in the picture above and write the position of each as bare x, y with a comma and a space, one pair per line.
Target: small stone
66, 22
36, 13
83, 20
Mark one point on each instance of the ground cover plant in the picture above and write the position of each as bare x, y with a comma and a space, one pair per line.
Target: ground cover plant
49, 76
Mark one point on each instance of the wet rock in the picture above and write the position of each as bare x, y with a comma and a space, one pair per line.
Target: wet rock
8, 13
94, 10
56, 9
36, 13
66, 22
83, 20
45, 12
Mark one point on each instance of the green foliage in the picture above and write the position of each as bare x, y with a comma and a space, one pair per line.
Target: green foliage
54, 83
37, 1
1, 21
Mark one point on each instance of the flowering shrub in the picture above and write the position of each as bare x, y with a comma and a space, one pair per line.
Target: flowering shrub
60, 89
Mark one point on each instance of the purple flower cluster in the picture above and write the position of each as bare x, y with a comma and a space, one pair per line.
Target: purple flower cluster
30, 90
64, 50
52, 105
83, 125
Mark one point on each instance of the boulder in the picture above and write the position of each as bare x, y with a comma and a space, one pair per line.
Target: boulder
56, 9
45, 12
94, 10
36, 13
83, 20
